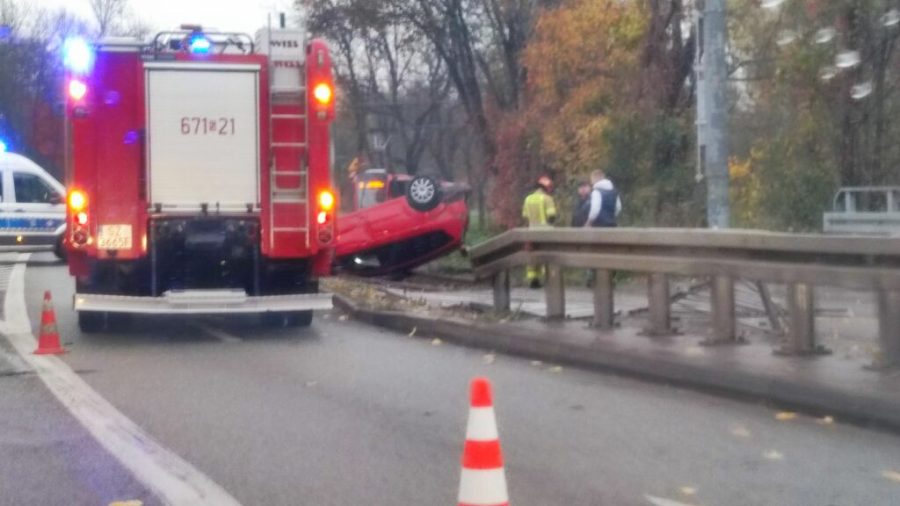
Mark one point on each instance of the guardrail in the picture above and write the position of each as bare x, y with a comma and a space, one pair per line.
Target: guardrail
861, 223
799, 261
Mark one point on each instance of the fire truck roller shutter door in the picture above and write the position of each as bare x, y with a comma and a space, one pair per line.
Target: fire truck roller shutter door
204, 140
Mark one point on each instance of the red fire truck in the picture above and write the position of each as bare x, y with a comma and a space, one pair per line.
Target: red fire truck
198, 175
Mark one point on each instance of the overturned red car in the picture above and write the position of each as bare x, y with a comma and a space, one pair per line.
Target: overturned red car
399, 222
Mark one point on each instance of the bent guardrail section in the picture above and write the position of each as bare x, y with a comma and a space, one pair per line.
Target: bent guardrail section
797, 260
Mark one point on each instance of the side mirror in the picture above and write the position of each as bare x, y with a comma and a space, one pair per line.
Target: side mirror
57, 199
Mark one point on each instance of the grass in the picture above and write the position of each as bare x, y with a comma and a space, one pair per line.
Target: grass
456, 263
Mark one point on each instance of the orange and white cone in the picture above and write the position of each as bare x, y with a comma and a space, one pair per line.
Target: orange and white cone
483, 481
48, 339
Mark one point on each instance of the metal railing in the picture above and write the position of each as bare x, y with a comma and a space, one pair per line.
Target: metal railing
864, 210
799, 261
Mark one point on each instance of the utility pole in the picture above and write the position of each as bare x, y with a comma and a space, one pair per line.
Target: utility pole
712, 110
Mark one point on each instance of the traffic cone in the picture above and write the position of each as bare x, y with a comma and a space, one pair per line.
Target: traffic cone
483, 482
48, 340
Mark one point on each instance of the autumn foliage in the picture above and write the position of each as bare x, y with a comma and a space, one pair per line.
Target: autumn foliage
593, 69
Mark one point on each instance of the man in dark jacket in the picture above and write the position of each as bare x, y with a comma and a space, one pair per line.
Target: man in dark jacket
582, 205
605, 202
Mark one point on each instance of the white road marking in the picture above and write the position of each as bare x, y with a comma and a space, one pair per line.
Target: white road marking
219, 334
172, 479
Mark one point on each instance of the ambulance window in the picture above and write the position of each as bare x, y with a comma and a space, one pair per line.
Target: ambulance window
30, 189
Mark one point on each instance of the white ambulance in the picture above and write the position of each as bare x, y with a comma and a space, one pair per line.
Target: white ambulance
32, 206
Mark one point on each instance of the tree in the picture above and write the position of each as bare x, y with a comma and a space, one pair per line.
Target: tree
394, 83
109, 15
606, 87
31, 79
807, 126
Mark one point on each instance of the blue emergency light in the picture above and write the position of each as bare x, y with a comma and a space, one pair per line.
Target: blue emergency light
2, 146
78, 56
198, 43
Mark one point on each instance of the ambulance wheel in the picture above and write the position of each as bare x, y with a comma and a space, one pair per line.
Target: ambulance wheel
91, 322
59, 249
423, 194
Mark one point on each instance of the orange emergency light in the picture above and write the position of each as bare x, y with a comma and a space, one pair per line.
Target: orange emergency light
77, 200
326, 200
323, 93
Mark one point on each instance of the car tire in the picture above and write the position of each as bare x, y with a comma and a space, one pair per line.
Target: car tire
423, 193
59, 249
91, 322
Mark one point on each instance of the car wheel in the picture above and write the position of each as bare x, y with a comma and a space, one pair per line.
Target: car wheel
423, 193
59, 249
91, 321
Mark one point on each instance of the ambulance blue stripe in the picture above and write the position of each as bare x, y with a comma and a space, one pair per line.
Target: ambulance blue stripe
30, 224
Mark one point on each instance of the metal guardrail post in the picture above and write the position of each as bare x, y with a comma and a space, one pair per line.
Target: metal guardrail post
802, 313
888, 329
603, 299
554, 291
722, 303
501, 291
660, 311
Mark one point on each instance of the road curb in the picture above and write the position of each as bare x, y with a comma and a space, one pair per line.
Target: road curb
808, 395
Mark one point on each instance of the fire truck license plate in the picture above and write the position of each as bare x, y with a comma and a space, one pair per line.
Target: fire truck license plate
114, 237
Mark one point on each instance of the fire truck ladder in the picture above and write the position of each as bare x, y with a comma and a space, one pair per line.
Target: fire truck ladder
289, 173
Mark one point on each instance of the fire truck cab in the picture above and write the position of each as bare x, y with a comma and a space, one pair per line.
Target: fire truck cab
198, 174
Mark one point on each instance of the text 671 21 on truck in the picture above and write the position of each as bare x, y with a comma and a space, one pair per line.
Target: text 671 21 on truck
198, 175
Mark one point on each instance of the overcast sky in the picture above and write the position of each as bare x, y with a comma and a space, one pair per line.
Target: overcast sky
226, 15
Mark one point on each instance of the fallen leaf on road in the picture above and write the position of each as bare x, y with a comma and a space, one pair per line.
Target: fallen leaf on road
891, 475
773, 455
537, 363
688, 490
785, 416
413, 331
659, 501
740, 431
555, 369
694, 351
436, 342
489, 359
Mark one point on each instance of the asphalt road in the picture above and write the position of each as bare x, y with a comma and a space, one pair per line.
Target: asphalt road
345, 414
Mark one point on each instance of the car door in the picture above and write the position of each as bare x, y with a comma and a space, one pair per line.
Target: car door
7, 206
39, 210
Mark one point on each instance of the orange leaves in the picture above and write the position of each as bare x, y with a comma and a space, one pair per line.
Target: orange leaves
579, 61
583, 42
